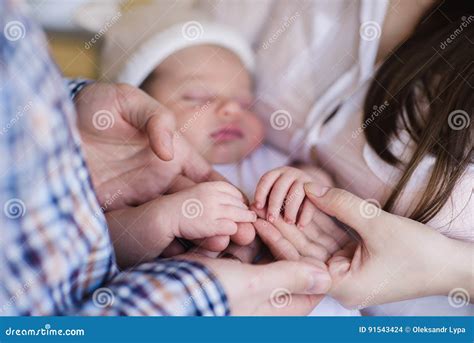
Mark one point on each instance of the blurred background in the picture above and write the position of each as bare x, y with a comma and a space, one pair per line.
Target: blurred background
75, 28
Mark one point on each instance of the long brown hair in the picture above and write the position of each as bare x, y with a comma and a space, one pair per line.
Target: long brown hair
429, 84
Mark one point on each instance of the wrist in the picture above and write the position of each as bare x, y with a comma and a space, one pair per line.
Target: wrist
460, 268
454, 271
169, 216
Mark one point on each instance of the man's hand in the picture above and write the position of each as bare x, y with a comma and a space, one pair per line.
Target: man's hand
282, 288
131, 147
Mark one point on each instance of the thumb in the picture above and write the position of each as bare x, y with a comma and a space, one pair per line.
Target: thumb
146, 114
293, 278
159, 128
345, 206
193, 165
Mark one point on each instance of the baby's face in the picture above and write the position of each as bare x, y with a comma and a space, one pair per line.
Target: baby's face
210, 93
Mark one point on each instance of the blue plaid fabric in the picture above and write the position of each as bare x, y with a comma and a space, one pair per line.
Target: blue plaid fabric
56, 257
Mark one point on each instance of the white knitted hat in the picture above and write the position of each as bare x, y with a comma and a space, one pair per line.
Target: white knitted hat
139, 41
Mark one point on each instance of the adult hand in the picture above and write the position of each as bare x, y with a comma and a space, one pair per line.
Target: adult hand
278, 289
130, 145
395, 259
319, 239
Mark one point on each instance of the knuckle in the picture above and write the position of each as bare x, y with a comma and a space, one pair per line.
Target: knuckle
267, 176
218, 185
233, 227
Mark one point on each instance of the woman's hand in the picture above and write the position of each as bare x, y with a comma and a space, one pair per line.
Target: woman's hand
319, 239
395, 259
277, 289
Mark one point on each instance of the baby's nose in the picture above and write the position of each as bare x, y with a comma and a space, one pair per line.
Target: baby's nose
230, 109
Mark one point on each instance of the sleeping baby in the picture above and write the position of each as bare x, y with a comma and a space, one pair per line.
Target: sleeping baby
206, 82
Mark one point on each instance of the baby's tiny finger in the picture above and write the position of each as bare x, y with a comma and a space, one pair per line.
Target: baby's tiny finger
261, 213
228, 199
293, 201
237, 214
277, 196
264, 186
227, 187
224, 227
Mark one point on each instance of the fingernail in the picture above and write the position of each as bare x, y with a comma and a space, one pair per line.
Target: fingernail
320, 283
258, 205
316, 190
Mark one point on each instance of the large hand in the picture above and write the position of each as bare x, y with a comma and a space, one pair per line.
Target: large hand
130, 146
319, 239
395, 259
278, 288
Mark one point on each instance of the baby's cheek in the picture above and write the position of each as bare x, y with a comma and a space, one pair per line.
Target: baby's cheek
256, 132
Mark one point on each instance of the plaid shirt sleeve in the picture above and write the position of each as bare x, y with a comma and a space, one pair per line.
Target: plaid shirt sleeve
75, 86
56, 257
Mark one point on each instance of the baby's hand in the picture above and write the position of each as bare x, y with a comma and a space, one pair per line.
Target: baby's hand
210, 209
284, 189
